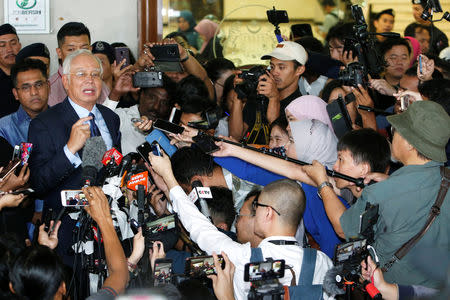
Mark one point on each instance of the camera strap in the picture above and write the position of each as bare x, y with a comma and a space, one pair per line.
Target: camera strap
434, 212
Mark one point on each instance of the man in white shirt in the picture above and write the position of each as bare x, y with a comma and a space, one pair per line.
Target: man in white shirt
278, 211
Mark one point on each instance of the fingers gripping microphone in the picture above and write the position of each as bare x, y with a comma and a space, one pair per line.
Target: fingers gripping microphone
93, 152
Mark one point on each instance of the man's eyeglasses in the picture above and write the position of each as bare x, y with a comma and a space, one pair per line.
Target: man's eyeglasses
255, 205
26, 88
82, 75
239, 215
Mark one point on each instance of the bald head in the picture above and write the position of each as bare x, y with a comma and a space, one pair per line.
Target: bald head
288, 198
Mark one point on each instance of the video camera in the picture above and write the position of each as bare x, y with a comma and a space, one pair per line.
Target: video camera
263, 277
251, 78
363, 46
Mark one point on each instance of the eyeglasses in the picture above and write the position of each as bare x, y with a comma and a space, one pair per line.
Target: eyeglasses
82, 75
255, 205
26, 88
239, 215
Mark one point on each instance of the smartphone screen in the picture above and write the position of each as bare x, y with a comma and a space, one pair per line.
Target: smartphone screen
9, 168
163, 272
206, 144
264, 270
202, 266
73, 198
161, 224
168, 127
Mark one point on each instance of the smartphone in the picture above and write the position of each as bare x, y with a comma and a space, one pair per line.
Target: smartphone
420, 64
16, 152
73, 198
368, 218
264, 270
134, 225
162, 224
144, 149
175, 116
25, 151
136, 120
345, 250
162, 273
405, 101
9, 168
168, 127
205, 143
202, 266
120, 54
340, 119
168, 52
162, 140
25, 192
275, 16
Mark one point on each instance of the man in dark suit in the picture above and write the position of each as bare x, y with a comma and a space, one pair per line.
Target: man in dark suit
60, 133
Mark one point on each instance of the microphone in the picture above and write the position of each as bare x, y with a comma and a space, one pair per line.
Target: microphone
92, 159
332, 277
201, 193
140, 179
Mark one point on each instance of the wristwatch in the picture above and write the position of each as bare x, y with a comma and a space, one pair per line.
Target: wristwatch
322, 185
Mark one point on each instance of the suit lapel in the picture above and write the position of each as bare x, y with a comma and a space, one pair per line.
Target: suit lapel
110, 123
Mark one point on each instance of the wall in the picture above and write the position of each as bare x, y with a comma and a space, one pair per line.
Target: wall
107, 20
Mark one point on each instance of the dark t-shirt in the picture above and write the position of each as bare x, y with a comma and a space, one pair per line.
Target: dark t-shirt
439, 39
9, 104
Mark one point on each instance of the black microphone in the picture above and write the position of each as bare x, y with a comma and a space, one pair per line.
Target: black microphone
330, 281
126, 163
93, 152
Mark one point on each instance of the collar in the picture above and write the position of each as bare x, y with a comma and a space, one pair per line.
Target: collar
411, 168
293, 96
228, 178
60, 71
83, 112
22, 115
277, 238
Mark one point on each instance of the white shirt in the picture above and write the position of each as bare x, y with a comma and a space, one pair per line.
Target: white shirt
131, 135
314, 88
211, 240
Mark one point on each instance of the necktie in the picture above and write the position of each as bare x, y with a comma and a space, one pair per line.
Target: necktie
94, 129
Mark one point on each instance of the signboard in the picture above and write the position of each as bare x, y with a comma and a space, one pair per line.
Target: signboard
28, 16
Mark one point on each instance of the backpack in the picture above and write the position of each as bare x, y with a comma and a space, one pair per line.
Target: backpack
305, 290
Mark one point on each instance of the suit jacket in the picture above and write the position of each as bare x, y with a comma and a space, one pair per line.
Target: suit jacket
51, 170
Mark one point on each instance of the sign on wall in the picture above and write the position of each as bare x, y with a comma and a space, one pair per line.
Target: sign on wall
28, 16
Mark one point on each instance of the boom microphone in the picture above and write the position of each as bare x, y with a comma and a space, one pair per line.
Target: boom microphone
93, 152
330, 283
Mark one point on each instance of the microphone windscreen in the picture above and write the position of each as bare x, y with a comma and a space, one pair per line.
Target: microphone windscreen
93, 152
329, 282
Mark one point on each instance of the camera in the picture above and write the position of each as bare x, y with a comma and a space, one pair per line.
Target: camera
353, 75
202, 266
163, 229
263, 277
150, 79
250, 83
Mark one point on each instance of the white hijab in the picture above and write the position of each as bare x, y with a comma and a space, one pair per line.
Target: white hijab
314, 140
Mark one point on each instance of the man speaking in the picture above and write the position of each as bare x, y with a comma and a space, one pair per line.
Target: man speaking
60, 133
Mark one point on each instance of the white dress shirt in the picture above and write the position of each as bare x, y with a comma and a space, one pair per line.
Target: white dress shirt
314, 88
211, 240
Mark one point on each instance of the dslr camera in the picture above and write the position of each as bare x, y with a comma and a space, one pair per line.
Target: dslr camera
353, 75
250, 83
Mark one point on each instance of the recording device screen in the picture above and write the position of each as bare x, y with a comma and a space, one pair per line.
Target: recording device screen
161, 224
9, 168
168, 127
344, 251
264, 270
163, 272
202, 266
73, 198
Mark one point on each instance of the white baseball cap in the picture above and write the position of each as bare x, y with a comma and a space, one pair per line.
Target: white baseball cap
288, 50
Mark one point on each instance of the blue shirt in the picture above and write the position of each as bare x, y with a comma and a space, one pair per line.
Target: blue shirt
101, 124
14, 127
315, 218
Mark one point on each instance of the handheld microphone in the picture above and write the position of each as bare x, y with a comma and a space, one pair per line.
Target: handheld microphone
92, 159
201, 193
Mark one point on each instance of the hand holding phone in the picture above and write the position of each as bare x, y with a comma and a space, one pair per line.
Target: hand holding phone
73, 198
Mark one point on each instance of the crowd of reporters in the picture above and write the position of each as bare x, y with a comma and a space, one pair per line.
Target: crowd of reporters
287, 177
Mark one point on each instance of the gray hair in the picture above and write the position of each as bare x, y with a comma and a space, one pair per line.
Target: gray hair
68, 61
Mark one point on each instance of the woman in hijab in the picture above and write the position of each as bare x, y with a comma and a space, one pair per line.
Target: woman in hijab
308, 107
415, 46
206, 29
186, 24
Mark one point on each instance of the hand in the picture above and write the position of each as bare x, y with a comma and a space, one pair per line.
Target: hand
225, 148
145, 125
123, 82
372, 273
181, 50
138, 248
159, 181
362, 98
37, 216
161, 165
49, 240
347, 57
223, 281
267, 86
410, 95
157, 201
79, 134
427, 68
375, 176
13, 182
382, 86
98, 207
145, 57
316, 171
10, 200
184, 137
156, 252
